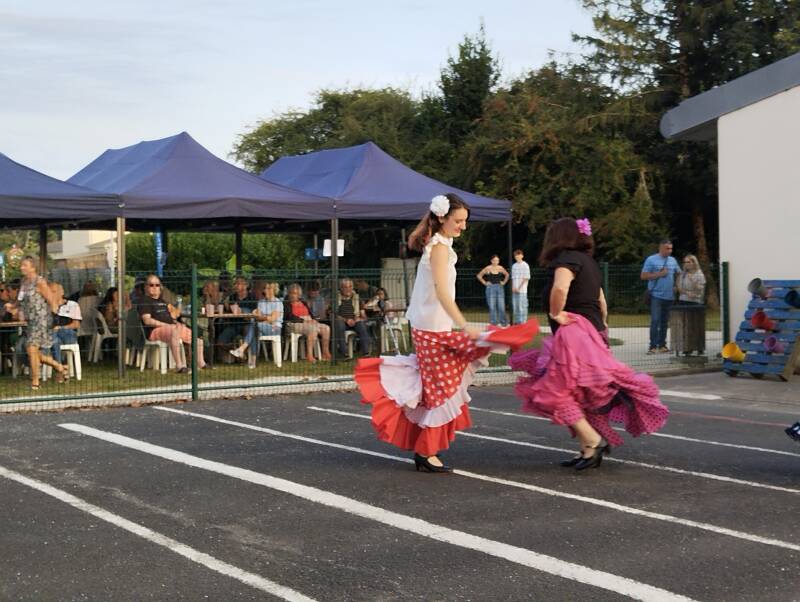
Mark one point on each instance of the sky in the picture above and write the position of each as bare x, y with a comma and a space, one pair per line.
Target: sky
82, 76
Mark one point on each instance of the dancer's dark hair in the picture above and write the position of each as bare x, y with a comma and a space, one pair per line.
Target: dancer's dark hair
430, 224
563, 235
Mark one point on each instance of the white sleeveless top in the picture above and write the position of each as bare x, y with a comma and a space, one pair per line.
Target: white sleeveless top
424, 310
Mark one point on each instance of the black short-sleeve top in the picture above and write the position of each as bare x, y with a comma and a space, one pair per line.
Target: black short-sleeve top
584, 292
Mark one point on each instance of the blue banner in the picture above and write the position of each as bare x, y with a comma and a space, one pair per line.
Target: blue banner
160, 259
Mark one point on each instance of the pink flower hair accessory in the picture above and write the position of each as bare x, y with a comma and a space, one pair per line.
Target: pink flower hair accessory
584, 226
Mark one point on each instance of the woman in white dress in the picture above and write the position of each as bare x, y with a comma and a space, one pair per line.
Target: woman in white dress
419, 401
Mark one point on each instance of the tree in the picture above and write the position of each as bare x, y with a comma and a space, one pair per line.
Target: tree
213, 251
466, 82
544, 143
670, 50
337, 118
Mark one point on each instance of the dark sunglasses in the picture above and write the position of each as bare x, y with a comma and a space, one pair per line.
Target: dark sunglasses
153, 284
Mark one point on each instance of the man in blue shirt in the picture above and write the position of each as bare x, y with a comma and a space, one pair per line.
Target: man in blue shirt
659, 271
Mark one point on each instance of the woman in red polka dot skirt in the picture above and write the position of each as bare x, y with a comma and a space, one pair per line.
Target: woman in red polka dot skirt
574, 378
419, 401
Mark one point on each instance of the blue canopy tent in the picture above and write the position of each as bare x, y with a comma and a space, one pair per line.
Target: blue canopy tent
177, 182
30, 198
367, 183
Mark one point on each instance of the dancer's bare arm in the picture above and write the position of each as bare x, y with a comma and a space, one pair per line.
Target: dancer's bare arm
439, 270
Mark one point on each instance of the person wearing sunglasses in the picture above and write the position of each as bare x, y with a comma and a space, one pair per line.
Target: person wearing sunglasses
160, 321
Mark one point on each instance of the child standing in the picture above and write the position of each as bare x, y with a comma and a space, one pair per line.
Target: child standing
520, 276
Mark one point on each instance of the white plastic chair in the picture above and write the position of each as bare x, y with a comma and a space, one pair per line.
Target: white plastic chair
158, 355
395, 325
101, 333
293, 342
71, 353
275, 340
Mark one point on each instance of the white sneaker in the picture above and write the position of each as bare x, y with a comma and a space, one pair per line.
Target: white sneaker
237, 353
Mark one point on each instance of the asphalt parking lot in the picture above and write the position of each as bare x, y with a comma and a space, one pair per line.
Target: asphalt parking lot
292, 497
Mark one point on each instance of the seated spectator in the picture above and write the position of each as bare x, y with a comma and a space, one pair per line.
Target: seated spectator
364, 289
66, 321
351, 316
240, 301
109, 308
377, 309
88, 302
267, 319
379, 306
211, 298
160, 322
298, 319
317, 303
12, 294
137, 292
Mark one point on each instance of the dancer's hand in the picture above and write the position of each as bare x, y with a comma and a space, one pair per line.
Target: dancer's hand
562, 318
472, 332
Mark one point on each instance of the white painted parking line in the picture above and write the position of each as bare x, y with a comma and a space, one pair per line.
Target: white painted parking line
517, 484
661, 467
228, 570
766, 450
517, 555
691, 395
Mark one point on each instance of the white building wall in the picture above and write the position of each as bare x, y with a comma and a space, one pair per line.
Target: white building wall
759, 188
76, 242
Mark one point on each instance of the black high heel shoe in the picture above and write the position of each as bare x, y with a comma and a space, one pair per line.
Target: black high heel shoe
595, 459
422, 462
571, 462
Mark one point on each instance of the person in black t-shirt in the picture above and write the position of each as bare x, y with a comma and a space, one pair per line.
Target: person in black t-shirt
160, 321
239, 301
575, 379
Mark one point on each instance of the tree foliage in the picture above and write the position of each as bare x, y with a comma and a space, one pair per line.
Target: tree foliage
214, 251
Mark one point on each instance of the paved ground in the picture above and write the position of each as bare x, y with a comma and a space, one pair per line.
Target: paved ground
287, 497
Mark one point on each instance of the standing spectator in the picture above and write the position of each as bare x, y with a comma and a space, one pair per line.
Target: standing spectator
297, 316
659, 271
520, 277
66, 320
36, 302
160, 322
267, 319
494, 277
691, 283
351, 316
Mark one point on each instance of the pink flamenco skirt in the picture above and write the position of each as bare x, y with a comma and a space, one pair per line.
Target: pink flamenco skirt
419, 401
574, 375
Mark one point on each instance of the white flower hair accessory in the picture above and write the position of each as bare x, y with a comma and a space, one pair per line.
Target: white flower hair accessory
440, 205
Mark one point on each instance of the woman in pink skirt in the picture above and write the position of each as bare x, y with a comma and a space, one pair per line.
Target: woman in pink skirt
419, 401
574, 379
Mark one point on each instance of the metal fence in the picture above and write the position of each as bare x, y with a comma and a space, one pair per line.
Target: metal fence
152, 370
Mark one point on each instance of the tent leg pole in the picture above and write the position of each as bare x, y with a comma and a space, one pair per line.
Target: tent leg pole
43, 251
121, 292
316, 259
510, 264
238, 251
403, 256
334, 283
